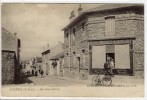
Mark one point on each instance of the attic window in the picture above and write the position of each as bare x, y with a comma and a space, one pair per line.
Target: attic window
83, 26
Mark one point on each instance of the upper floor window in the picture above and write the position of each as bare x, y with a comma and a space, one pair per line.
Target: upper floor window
74, 31
67, 35
110, 26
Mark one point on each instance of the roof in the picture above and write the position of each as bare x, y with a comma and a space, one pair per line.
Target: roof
39, 59
103, 8
59, 55
111, 6
46, 51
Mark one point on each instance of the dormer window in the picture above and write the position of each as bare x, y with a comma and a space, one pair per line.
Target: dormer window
110, 26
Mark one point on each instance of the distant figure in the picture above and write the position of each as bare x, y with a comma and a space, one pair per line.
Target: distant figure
33, 72
36, 73
41, 72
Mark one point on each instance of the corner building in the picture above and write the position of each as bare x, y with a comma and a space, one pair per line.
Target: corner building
116, 30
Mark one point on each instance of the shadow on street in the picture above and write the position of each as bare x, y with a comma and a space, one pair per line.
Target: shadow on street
23, 79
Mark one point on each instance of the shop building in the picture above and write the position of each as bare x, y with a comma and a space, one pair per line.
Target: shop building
114, 30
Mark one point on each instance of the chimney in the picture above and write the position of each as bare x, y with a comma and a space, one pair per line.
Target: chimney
15, 34
72, 16
80, 9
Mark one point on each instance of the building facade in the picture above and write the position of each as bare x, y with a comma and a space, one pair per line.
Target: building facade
53, 60
10, 57
114, 30
45, 60
57, 60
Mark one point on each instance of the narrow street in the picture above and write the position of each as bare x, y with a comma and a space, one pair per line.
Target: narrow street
49, 81
54, 82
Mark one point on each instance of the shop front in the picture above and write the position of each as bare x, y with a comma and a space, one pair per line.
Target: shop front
120, 51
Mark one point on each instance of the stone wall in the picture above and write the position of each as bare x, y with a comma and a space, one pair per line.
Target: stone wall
139, 49
126, 25
9, 41
8, 67
75, 36
139, 64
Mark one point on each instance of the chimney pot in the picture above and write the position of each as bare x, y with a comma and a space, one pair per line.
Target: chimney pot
80, 9
72, 16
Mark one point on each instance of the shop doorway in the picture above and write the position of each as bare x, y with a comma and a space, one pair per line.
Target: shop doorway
110, 56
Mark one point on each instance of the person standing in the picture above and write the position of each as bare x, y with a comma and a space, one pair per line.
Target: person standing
36, 73
32, 72
107, 66
41, 72
108, 58
111, 66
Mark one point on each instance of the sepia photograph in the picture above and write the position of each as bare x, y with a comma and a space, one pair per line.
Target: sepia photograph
72, 49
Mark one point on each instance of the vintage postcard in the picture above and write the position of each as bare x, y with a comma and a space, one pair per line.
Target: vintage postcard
72, 50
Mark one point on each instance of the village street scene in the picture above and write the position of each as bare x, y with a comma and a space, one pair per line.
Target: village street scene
66, 45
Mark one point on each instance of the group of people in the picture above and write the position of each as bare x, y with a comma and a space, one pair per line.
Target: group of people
35, 72
109, 65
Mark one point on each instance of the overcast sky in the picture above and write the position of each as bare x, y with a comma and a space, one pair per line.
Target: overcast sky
38, 24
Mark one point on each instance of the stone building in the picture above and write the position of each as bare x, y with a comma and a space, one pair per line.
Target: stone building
57, 56
10, 57
51, 55
116, 30
45, 59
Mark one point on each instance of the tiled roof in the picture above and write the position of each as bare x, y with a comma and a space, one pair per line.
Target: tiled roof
102, 8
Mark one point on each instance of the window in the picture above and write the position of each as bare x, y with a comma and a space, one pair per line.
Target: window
83, 51
67, 54
83, 26
74, 59
110, 26
74, 33
67, 34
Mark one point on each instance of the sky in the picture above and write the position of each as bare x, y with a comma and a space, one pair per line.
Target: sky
37, 25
